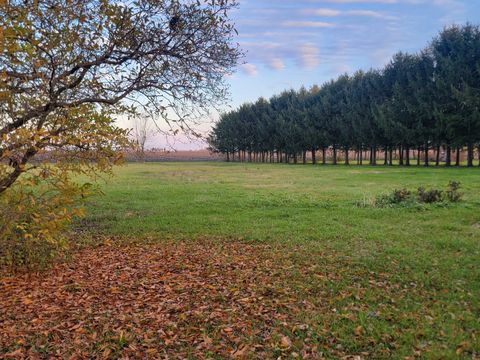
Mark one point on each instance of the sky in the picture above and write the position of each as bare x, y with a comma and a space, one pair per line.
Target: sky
294, 43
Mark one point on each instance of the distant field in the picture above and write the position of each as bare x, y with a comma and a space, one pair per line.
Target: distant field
223, 260
172, 156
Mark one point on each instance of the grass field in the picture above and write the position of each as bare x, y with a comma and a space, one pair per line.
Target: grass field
280, 261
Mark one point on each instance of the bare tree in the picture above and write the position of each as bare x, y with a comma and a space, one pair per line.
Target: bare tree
142, 130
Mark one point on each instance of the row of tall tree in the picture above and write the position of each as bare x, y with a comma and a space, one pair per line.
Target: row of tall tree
426, 103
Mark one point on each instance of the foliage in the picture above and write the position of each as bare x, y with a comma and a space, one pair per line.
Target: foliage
422, 196
34, 215
419, 102
38, 198
452, 192
400, 195
429, 196
68, 69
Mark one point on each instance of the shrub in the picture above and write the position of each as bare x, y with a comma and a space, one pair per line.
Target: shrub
401, 195
429, 196
34, 214
405, 197
398, 196
453, 195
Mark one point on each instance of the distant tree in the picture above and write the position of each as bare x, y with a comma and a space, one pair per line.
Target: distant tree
142, 130
418, 102
457, 76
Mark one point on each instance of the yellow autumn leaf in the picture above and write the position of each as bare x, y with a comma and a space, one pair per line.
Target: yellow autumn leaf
27, 301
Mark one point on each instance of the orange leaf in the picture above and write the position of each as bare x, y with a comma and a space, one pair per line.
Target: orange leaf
358, 330
285, 342
27, 301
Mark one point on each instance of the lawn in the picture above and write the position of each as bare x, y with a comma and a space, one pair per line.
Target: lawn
261, 261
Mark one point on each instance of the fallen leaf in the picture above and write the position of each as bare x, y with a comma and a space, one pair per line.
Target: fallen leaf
285, 342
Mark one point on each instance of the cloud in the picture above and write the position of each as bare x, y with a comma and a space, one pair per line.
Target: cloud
308, 24
322, 12
277, 64
249, 69
360, 1
366, 13
333, 13
309, 55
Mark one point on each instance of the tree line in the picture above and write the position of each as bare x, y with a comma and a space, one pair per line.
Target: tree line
427, 103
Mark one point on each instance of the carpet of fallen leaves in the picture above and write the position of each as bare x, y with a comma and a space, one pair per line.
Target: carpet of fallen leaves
189, 300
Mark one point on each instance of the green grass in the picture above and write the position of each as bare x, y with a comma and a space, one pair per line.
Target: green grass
429, 256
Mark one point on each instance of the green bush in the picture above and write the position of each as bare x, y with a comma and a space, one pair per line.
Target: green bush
34, 215
405, 198
401, 195
429, 196
453, 194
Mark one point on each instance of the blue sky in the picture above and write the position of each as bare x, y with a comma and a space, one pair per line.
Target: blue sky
291, 43
294, 43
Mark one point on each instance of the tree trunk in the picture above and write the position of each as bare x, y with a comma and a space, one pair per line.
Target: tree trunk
400, 155
228, 156
304, 157
374, 156
324, 161
448, 159
426, 155
314, 157
457, 159
391, 156
469, 155
10, 179
407, 156
437, 156
334, 155
347, 160
419, 150
360, 156
18, 170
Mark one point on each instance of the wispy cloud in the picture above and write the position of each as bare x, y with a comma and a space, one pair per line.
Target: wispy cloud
308, 24
323, 12
249, 69
277, 64
358, 1
309, 55
367, 13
